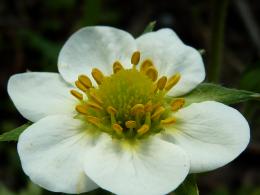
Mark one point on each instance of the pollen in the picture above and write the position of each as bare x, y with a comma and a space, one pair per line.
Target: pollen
177, 104
77, 94
84, 80
172, 81
135, 58
97, 75
129, 103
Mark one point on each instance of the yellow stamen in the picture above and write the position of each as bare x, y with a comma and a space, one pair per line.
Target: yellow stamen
97, 75
143, 129
135, 58
118, 129
95, 97
148, 106
172, 81
93, 120
85, 81
161, 82
145, 65
111, 110
152, 73
137, 109
158, 113
168, 121
130, 124
76, 94
177, 104
117, 66
80, 86
81, 109
94, 105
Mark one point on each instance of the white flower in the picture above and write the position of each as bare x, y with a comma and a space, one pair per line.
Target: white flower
123, 134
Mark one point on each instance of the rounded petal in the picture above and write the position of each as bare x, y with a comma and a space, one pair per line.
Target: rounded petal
212, 133
52, 154
37, 95
95, 47
171, 56
150, 166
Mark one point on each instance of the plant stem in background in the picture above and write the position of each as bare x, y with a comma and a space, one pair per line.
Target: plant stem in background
217, 38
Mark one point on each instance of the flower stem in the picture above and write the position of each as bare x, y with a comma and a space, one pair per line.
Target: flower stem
217, 42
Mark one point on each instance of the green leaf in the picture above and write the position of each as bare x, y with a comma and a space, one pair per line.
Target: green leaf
14, 134
188, 187
208, 91
149, 27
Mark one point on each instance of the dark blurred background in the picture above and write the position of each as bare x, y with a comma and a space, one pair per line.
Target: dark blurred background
32, 32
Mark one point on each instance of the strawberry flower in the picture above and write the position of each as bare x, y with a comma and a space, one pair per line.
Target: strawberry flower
115, 116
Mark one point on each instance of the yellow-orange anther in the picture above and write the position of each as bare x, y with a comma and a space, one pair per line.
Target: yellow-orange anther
157, 113
76, 94
95, 97
117, 66
145, 65
152, 73
93, 120
130, 124
172, 81
80, 86
148, 106
111, 110
161, 82
85, 81
81, 109
135, 58
97, 75
137, 109
143, 129
118, 129
168, 121
94, 105
177, 104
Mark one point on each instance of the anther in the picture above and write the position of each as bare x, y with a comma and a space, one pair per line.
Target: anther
168, 121
76, 94
135, 58
97, 75
148, 106
111, 110
137, 109
145, 65
172, 81
117, 66
177, 104
143, 129
80, 86
130, 124
93, 120
152, 73
85, 81
161, 82
95, 97
118, 129
81, 109
94, 105
157, 113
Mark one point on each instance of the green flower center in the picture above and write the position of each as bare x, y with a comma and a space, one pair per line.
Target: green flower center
129, 103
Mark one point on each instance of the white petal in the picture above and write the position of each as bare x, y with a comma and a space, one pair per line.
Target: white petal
52, 154
170, 56
98, 47
153, 166
212, 133
37, 95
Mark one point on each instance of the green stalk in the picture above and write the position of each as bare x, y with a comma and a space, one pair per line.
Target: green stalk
217, 40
